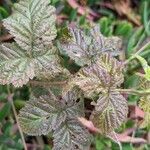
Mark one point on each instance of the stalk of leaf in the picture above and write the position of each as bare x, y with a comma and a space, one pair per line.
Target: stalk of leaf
61, 83
133, 91
137, 66
10, 98
142, 37
137, 53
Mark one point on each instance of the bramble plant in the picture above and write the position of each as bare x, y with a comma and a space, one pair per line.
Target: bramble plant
35, 57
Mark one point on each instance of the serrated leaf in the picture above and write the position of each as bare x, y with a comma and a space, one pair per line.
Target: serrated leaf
144, 103
17, 68
100, 76
71, 136
32, 54
85, 48
46, 113
39, 116
111, 44
32, 26
110, 112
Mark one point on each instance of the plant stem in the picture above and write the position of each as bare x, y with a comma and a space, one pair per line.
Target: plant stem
133, 91
10, 99
42, 83
137, 53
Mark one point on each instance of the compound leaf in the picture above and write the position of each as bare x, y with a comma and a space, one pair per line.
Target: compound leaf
85, 48
100, 76
110, 112
32, 54
71, 136
46, 113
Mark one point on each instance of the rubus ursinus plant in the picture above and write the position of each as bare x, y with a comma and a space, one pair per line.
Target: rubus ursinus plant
35, 57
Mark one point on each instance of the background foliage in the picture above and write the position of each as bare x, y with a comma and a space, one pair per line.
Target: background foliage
124, 18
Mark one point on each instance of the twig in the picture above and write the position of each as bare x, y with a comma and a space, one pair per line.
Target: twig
10, 99
137, 53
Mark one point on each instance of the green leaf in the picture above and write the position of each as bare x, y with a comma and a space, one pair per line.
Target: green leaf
5, 110
7, 128
3, 12
110, 112
10, 143
145, 66
71, 136
73, 15
82, 20
106, 26
54, 2
46, 113
123, 28
85, 48
32, 54
134, 41
99, 77
47, 147
19, 103
145, 17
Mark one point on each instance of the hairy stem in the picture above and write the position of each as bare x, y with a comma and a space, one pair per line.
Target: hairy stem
133, 91
10, 99
42, 83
